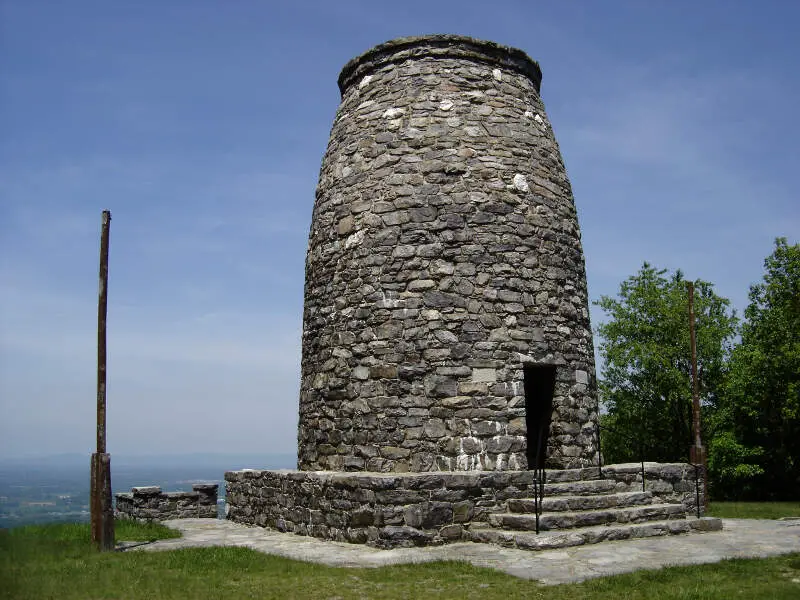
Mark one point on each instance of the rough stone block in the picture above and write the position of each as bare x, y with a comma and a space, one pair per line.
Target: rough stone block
152, 490
403, 537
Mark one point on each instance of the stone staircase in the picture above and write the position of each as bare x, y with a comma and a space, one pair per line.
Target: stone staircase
576, 510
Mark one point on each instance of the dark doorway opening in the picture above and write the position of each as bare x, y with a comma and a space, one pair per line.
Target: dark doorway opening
540, 385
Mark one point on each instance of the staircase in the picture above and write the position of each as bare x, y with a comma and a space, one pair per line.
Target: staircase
576, 511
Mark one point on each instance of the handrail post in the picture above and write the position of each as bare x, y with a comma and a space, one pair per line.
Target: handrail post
599, 438
536, 498
539, 475
538, 494
599, 451
641, 460
697, 488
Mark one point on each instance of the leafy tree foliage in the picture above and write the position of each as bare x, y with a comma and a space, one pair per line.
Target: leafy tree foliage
646, 375
759, 454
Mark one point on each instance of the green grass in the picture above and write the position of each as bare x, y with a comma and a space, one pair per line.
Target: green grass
130, 531
58, 561
753, 510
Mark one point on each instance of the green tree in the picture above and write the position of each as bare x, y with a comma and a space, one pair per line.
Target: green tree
646, 374
759, 455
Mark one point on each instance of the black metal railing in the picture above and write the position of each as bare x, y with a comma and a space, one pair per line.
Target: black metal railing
639, 442
538, 492
697, 467
539, 473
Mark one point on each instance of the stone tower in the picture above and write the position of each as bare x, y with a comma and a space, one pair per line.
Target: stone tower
446, 323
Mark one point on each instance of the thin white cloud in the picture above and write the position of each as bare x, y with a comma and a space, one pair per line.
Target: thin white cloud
171, 384
662, 168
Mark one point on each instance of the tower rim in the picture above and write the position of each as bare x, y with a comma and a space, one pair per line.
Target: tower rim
439, 46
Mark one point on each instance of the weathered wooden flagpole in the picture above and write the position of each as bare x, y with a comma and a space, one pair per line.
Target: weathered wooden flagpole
697, 452
101, 509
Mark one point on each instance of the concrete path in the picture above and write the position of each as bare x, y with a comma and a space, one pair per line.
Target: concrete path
739, 538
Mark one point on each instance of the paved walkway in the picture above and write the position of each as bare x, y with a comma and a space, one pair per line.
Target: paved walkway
739, 538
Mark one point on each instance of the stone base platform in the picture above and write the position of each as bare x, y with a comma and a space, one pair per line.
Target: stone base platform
388, 510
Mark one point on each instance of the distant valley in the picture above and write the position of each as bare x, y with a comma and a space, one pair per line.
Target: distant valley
56, 489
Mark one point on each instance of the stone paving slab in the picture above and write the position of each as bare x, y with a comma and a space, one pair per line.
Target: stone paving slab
742, 538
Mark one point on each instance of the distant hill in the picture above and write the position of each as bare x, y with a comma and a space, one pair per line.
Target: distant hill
225, 461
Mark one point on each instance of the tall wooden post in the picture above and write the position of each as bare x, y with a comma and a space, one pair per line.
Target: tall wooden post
102, 513
697, 452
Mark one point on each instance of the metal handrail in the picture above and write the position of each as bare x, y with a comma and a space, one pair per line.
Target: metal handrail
629, 438
539, 478
538, 493
697, 467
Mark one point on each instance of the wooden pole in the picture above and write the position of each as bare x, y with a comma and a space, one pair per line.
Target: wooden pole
102, 311
102, 514
697, 452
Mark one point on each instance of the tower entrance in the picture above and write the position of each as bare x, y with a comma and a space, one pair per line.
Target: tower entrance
540, 384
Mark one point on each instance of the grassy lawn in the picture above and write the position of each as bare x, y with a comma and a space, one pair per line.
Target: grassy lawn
58, 561
130, 531
753, 510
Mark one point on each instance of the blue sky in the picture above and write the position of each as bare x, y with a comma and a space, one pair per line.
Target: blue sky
201, 126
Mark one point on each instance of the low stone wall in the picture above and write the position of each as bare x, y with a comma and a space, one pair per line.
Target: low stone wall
151, 504
670, 482
379, 509
389, 510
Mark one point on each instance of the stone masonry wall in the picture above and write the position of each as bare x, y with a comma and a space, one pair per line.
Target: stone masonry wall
413, 509
151, 504
382, 510
444, 256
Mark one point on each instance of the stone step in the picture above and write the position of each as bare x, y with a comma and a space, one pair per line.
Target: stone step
565, 475
588, 518
549, 540
574, 503
579, 488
